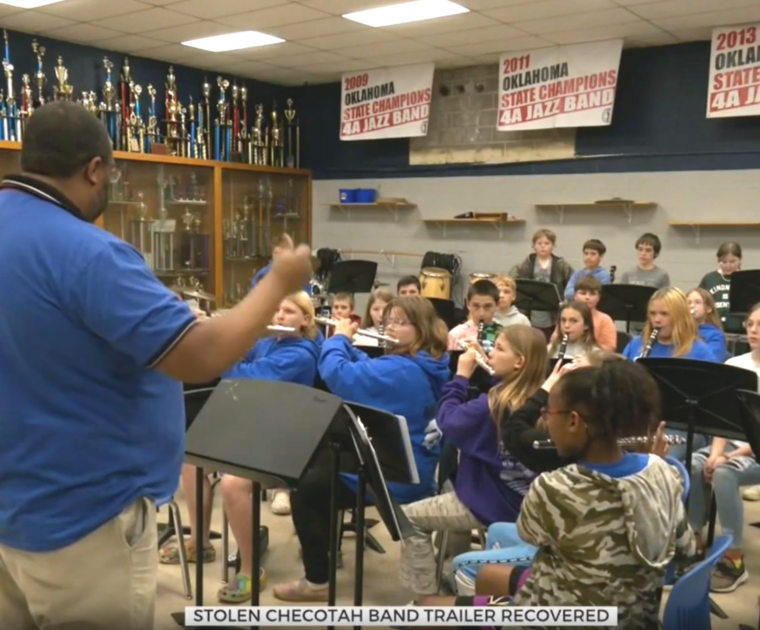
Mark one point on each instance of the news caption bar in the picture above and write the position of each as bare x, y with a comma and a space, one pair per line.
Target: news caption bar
579, 616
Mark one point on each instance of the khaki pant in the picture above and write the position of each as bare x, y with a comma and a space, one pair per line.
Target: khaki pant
105, 581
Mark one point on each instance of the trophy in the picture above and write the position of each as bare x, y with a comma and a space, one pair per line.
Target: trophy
258, 139
108, 97
276, 146
126, 104
207, 114
163, 242
142, 228
13, 131
173, 113
27, 105
292, 160
153, 135
221, 133
234, 116
244, 125
192, 148
139, 121
195, 245
63, 90
39, 76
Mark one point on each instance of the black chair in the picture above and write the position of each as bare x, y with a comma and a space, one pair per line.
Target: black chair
623, 339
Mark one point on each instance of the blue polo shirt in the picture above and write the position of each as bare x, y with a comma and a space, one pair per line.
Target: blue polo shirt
87, 426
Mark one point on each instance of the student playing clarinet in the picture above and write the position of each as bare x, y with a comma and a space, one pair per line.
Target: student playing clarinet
407, 381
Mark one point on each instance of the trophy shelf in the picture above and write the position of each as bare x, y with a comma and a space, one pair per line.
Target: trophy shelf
697, 226
626, 205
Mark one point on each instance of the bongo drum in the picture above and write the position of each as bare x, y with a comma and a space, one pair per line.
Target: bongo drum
474, 277
435, 283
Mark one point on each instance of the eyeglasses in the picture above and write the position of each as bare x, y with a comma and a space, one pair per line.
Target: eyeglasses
545, 412
396, 323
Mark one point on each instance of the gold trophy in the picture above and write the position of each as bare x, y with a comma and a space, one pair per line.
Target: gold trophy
275, 149
142, 230
292, 160
259, 148
39, 76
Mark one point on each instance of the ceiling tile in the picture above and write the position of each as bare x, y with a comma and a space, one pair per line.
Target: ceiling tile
661, 39
388, 48
159, 3
209, 10
317, 28
480, 5
673, 8
694, 34
91, 10
341, 7
274, 16
601, 33
356, 38
275, 50
458, 61
34, 22
186, 32
82, 33
633, 3
405, 59
577, 21
215, 62
283, 76
136, 22
443, 25
173, 52
129, 43
473, 36
243, 68
484, 48
547, 9
346, 65
712, 18
298, 61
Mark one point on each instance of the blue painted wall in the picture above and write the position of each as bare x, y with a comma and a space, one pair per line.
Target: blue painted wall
659, 124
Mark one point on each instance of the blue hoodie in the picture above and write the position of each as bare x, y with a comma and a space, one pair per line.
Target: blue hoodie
490, 483
400, 384
715, 340
600, 273
699, 351
291, 359
265, 270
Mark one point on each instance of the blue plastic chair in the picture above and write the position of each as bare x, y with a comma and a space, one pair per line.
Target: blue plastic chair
685, 476
688, 606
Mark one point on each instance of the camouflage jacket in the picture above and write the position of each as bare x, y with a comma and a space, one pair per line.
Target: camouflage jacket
604, 541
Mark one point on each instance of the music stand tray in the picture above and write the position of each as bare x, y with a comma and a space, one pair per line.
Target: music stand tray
533, 295
445, 310
744, 291
626, 302
352, 276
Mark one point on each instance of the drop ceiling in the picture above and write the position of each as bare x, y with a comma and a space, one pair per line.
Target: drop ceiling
320, 45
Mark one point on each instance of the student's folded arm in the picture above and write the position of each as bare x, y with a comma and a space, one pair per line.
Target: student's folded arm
354, 380
117, 297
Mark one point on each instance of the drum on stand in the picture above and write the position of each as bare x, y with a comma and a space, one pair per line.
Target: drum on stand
474, 277
435, 283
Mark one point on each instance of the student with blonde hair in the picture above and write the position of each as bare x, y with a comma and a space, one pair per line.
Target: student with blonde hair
709, 326
490, 484
506, 312
283, 356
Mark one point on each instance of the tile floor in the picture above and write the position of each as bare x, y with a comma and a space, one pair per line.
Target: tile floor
381, 586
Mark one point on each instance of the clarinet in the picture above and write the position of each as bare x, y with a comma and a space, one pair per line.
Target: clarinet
562, 348
613, 269
481, 330
626, 441
650, 343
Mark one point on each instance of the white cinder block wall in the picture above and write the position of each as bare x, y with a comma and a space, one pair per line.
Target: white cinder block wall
705, 196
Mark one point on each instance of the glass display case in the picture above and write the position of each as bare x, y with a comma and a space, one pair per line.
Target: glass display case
258, 207
166, 210
10, 158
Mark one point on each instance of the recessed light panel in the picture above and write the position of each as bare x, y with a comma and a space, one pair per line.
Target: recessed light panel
28, 4
406, 12
233, 41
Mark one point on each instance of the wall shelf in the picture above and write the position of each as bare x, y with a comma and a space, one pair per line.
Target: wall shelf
697, 226
391, 206
623, 204
498, 225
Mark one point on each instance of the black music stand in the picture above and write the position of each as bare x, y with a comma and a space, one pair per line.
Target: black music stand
247, 428
533, 295
744, 292
626, 302
352, 276
480, 381
385, 453
700, 397
445, 310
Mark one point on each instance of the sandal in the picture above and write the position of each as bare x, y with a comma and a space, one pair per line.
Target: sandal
300, 591
239, 590
170, 555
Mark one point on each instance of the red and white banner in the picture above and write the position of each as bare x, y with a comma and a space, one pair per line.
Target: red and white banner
734, 88
386, 103
563, 86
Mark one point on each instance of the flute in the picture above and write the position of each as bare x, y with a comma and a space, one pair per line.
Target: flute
626, 441
479, 358
364, 333
650, 343
275, 328
562, 348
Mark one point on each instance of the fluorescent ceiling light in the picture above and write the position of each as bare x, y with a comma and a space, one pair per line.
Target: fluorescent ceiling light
407, 12
28, 4
233, 41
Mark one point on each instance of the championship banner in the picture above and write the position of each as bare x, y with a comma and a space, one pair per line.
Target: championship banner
734, 88
386, 103
562, 86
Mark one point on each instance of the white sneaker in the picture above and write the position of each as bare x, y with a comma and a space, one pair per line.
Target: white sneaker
281, 503
751, 494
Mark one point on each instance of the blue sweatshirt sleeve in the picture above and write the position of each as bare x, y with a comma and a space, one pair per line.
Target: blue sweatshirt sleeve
715, 341
603, 275
700, 351
570, 288
467, 425
350, 374
633, 349
291, 363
